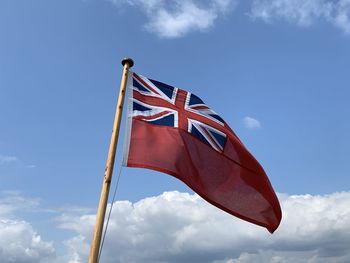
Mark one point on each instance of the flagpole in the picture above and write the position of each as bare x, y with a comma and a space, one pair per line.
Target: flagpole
96, 240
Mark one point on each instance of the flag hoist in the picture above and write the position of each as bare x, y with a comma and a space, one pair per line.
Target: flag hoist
96, 240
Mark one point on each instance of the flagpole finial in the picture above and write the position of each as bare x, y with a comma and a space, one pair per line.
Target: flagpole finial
129, 61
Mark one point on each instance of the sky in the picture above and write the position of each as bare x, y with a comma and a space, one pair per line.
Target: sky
277, 71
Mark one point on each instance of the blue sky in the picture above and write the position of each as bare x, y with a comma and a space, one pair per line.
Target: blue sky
276, 71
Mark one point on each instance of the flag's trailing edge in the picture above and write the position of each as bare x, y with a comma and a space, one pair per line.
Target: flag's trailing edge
173, 131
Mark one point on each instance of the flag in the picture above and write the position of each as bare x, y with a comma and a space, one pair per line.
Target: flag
173, 131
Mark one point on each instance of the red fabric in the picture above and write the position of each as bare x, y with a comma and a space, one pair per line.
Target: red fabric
233, 180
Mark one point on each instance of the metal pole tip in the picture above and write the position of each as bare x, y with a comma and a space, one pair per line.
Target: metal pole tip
129, 61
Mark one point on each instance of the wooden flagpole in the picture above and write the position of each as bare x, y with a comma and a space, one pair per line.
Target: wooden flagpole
96, 240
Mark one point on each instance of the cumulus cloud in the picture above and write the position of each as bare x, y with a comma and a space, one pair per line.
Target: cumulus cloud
251, 123
176, 18
181, 227
303, 12
19, 242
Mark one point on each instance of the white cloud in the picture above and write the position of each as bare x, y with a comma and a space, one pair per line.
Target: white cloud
7, 159
251, 123
74, 245
12, 201
341, 17
179, 227
19, 242
303, 12
182, 227
176, 18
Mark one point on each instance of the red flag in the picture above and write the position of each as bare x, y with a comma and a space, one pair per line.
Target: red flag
172, 131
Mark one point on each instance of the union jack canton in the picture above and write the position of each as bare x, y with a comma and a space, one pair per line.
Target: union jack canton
161, 104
